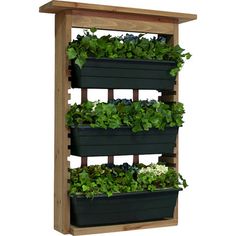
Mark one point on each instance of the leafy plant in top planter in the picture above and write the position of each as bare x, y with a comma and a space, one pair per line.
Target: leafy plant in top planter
123, 127
122, 194
128, 46
124, 62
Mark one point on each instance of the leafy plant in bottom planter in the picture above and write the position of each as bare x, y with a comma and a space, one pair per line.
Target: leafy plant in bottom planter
123, 127
112, 194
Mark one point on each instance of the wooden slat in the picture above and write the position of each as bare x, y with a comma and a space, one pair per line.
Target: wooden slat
61, 201
105, 22
173, 96
84, 95
167, 98
123, 227
135, 95
175, 41
57, 6
135, 98
110, 160
170, 96
167, 159
110, 96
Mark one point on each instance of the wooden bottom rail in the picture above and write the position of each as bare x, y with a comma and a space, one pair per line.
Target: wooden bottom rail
123, 227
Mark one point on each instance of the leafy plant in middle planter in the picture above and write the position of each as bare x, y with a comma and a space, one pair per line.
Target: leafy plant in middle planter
138, 115
109, 179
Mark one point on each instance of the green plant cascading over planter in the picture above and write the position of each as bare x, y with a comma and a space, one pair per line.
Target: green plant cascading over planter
109, 179
128, 46
138, 115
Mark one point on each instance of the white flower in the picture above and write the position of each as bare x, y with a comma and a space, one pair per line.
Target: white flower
94, 105
155, 169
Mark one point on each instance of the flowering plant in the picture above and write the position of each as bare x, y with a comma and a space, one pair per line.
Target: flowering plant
109, 179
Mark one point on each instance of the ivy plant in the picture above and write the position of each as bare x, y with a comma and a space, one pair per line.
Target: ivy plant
128, 46
138, 115
109, 179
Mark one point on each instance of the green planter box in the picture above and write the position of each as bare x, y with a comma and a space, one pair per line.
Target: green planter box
123, 208
87, 141
123, 74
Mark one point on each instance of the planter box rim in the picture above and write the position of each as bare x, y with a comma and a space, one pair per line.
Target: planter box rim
129, 194
122, 127
131, 60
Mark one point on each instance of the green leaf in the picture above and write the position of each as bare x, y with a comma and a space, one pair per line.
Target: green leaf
139, 115
188, 56
80, 62
85, 188
71, 53
128, 46
93, 30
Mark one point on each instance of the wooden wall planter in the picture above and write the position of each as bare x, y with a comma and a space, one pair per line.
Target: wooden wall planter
123, 74
70, 15
86, 141
123, 208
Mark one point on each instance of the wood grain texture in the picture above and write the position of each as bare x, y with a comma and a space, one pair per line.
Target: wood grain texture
123, 227
173, 96
68, 15
167, 159
63, 25
103, 22
175, 41
58, 6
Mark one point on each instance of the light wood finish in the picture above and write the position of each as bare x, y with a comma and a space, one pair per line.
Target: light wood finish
175, 41
58, 6
111, 23
69, 15
123, 227
167, 159
61, 199
173, 96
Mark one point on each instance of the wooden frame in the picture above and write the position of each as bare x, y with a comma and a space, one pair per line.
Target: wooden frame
70, 15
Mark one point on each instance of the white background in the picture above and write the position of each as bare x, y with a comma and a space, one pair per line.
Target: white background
207, 140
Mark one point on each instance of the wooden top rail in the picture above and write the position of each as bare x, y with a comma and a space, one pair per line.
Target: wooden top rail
173, 17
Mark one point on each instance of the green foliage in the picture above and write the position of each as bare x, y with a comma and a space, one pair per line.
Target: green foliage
128, 46
109, 179
138, 115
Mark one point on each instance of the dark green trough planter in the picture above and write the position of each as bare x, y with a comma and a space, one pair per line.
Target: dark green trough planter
123, 208
87, 141
123, 74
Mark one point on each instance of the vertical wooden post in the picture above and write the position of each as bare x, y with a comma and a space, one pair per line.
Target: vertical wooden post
175, 98
172, 96
63, 25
